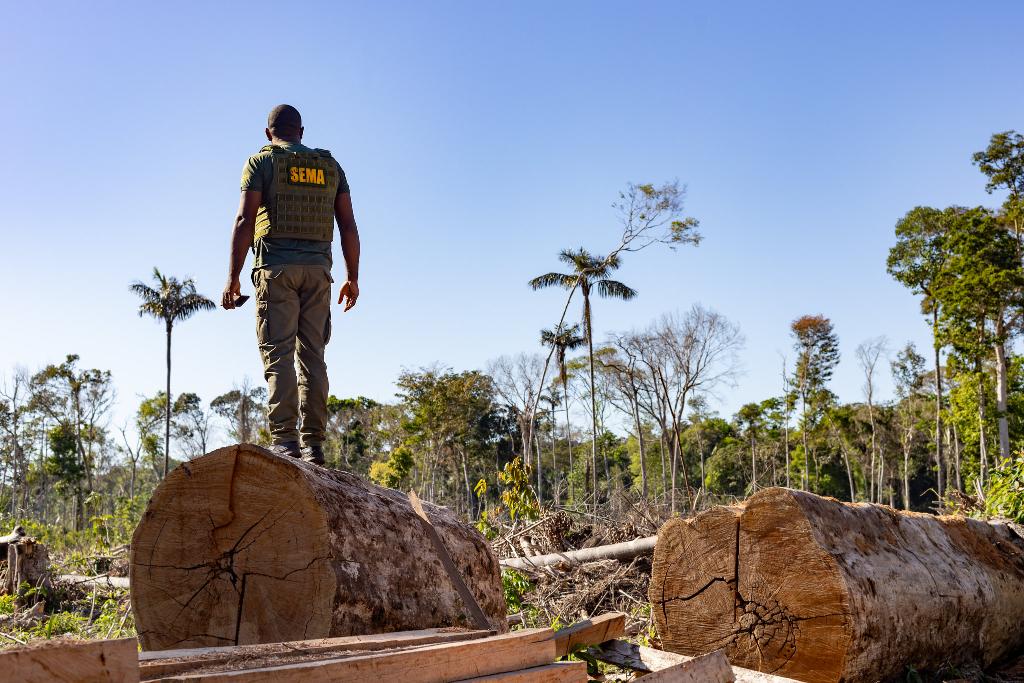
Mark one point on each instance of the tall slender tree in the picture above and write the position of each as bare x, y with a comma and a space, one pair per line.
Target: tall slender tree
869, 353
981, 292
589, 274
171, 301
916, 261
817, 354
563, 339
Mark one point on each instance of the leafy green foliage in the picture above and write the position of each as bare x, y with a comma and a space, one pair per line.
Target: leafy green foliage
393, 471
516, 494
1004, 494
515, 587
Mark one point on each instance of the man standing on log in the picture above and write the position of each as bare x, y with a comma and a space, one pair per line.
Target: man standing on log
291, 196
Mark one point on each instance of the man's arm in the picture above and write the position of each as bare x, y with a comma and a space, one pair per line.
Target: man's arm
241, 240
349, 234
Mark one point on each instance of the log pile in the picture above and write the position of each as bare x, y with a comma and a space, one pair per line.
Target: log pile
818, 590
242, 546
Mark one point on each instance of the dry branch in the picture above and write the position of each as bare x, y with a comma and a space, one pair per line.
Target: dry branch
617, 551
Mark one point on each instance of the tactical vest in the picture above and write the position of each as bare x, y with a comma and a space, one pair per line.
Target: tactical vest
303, 190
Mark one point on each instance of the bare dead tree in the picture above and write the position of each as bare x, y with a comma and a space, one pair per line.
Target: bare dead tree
694, 352
869, 353
519, 382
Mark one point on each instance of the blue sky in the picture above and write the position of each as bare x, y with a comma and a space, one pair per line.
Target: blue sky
479, 140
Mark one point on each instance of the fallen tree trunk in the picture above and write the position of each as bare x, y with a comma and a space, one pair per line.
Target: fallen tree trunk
112, 582
819, 590
617, 551
241, 546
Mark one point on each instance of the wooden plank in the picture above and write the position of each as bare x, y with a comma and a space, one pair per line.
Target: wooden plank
640, 658
710, 668
68, 661
166, 662
428, 664
590, 632
468, 599
560, 672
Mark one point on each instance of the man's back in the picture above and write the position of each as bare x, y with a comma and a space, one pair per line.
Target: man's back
291, 197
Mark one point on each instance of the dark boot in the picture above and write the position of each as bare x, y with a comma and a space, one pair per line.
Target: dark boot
288, 448
314, 453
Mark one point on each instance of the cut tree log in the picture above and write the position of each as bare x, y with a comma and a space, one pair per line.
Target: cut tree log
242, 546
616, 551
819, 590
162, 663
429, 664
71, 661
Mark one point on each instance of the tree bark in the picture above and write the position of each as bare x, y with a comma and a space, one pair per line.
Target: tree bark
939, 461
1002, 398
167, 408
588, 324
568, 443
818, 590
982, 440
241, 546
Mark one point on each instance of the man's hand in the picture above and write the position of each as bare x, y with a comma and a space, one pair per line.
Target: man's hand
349, 293
232, 290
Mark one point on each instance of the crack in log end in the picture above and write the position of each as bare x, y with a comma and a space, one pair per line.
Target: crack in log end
241, 607
245, 562
691, 596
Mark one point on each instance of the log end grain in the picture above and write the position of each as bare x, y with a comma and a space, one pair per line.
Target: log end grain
762, 602
242, 546
816, 589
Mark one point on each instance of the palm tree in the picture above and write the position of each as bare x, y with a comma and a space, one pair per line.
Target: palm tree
590, 274
563, 339
170, 302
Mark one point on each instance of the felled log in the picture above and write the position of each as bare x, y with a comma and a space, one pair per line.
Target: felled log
818, 590
104, 581
616, 551
242, 546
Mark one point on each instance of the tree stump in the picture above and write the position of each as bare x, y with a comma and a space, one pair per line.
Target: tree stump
242, 546
28, 562
819, 590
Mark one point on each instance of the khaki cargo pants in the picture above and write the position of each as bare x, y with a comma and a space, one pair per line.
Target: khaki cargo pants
293, 325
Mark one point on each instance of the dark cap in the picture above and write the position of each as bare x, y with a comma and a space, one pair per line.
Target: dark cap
284, 116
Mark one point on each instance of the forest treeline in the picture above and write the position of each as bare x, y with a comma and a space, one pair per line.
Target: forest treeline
581, 419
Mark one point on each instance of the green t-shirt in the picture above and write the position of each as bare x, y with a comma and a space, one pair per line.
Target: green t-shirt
258, 175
